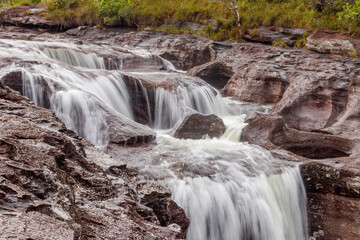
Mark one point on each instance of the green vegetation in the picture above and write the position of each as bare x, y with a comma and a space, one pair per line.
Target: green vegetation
113, 11
219, 22
353, 54
300, 43
280, 43
9, 3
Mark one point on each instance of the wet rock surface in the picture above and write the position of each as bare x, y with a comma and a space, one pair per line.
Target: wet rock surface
53, 180
197, 126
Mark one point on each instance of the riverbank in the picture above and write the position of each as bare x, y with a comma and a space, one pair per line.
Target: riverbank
323, 41
202, 17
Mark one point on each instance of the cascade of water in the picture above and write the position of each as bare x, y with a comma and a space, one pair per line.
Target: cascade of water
78, 99
167, 64
266, 207
81, 112
169, 105
74, 58
229, 190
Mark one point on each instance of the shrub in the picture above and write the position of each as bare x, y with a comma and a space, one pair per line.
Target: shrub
113, 11
351, 16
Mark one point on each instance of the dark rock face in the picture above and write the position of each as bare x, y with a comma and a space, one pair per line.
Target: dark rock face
51, 180
216, 73
167, 212
196, 126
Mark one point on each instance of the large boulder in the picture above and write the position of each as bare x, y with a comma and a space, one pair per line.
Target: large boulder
333, 189
196, 125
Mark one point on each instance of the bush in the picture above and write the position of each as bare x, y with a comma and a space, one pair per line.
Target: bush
113, 11
351, 16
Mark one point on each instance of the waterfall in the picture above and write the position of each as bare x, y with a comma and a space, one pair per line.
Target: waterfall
265, 207
169, 104
73, 58
231, 190
228, 189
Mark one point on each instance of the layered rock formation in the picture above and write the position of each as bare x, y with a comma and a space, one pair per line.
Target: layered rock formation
53, 182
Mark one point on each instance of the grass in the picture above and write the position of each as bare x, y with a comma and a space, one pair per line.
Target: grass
9, 3
218, 22
280, 43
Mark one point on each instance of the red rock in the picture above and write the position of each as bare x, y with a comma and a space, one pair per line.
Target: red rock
196, 126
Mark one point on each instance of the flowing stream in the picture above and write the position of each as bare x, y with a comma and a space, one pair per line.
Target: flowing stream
229, 189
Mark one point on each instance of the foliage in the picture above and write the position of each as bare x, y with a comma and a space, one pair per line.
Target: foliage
113, 11
9, 3
219, 22
70, 13
301, 43
353, 54
351, 16
280, 43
